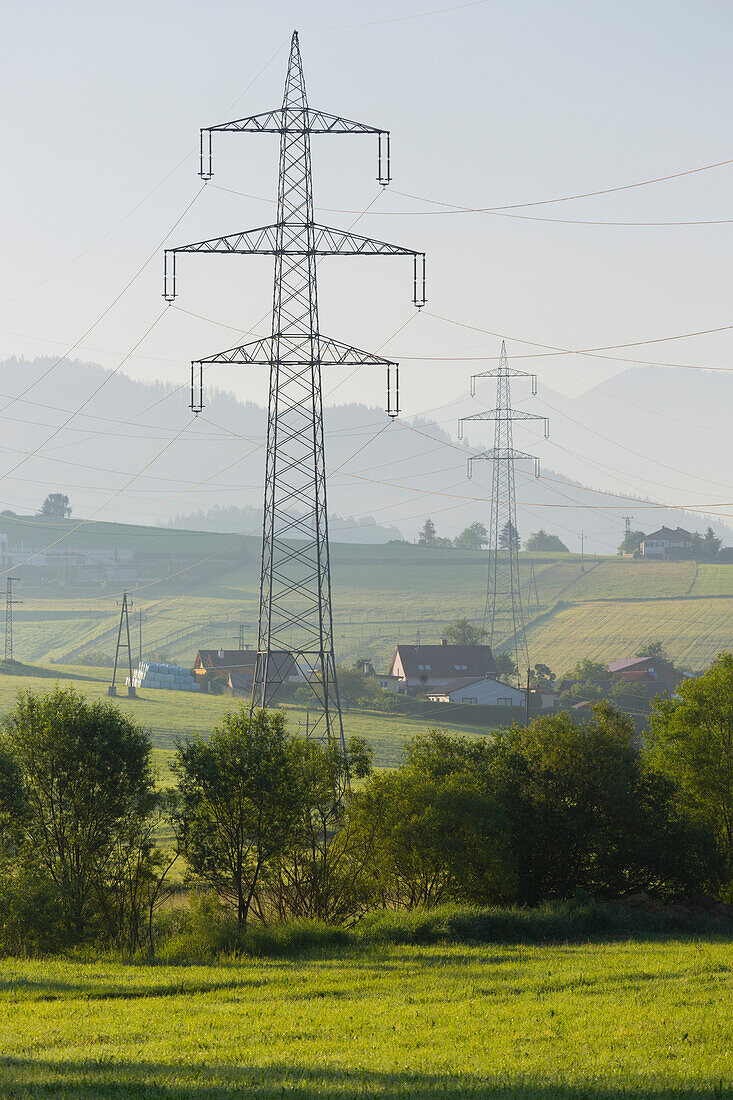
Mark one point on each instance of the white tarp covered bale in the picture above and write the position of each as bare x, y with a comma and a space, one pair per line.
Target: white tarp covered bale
153, 674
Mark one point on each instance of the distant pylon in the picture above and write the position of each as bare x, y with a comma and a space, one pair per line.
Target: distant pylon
503, 613
295, 635
10, 603
123, 642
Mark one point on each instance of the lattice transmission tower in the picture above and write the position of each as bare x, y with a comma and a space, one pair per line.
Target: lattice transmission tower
504, 620
295, 610
10, 603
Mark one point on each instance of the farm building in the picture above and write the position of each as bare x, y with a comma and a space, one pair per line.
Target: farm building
236, 667
481, 691
645, 670
435, 666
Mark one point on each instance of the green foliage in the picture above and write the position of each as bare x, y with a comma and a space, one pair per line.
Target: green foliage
56, 504
474, 537
631, 542
425, 839
462, 632
589, 680
505, 665
541, 541
355, 687
691, 742
509, 537
706, 547
238, 802
84, 833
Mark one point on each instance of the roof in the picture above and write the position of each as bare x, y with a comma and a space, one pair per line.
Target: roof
668, 533
226, 659
444, 661
466, 681
243, 661
630, 663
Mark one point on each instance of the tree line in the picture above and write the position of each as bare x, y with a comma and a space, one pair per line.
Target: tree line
278, 827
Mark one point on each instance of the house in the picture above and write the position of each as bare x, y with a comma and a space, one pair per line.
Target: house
236, 667
434, 666
667, 545
479, 691
388, 682
645, 670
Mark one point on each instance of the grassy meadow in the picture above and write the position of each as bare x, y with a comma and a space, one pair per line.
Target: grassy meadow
647, 1019
173, 714
194, 590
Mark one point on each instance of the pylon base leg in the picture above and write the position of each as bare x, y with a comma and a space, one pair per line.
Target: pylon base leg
112, 690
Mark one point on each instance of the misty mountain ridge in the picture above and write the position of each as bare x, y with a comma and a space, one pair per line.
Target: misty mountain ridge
639, 435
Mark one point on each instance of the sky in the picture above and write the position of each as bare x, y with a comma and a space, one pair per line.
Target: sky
489, 104
501, 114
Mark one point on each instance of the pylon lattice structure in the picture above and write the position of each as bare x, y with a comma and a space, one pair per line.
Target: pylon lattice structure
295, 611
504, 619
123, 643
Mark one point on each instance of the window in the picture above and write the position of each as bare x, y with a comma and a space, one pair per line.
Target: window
461, 668
465, 699
428, 668
421, 668
504, 702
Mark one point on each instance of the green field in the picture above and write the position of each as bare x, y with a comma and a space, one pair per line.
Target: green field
650, 1019
173, 714
195, 589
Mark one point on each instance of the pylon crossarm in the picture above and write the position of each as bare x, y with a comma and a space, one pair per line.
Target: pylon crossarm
303, 240
503, 454
294, 120
505, 372
504, 416
295, 351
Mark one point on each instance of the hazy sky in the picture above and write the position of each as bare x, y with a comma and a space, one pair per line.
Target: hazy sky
494, 103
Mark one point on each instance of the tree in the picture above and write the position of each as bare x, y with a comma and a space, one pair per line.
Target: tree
433, 832
88, 795
711, 545
509, 537
631, 542
462, 632
238, 802
505, 664
540, 540
543, 676
569, 792
56, 504
691, 743
427, 534
319, 874
474, 537
588, 680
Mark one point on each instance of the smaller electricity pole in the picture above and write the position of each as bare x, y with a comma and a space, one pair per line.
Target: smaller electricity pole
125, 608
582, 552
10, 603
241, 636
532, 592
627, 524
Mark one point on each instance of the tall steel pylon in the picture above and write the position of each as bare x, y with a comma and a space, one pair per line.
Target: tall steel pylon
295, 611
504, 620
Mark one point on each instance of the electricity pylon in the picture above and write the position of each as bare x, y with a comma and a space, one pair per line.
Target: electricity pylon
295, 612
504, 620
123, 643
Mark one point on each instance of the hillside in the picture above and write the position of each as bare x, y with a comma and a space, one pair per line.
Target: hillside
195, 589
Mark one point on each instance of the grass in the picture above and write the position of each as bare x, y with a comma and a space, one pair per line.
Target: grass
693, 631
597, 1022
173, 714
382, 595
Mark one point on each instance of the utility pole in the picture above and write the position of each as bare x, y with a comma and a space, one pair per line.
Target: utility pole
582, 552
503, 612
125, 608
526, 697
241, 636
295, 611
627, 524
10, 603
140, 629
532, 588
